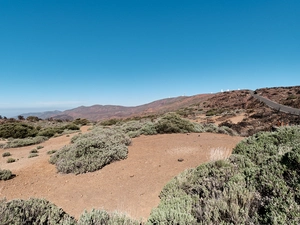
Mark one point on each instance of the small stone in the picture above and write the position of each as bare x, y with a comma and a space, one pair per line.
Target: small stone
180, 160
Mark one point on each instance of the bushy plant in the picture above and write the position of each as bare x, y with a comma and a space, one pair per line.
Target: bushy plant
31, 155
103, 217
91, 151
5, 154
34, 151
17, 130
15, 143
173, 123
5, 175
33, 211
39, 147
10, 160
51, 152
80, 121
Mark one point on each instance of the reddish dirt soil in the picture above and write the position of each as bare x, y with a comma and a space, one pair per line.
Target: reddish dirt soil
130, 186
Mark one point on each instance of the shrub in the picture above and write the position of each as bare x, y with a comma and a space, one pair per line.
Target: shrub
103, 217
34, 151
173, 123
25, 142
91, 151
80, 121
33, 211
39, 147
5, 154
10, 160
51, 152
17, 130
5, 175
31, 155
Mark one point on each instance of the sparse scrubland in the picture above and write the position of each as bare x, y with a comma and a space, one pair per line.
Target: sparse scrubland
103, 145
30, 132
257, 184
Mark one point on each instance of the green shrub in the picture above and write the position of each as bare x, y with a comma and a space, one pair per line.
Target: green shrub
33, 211
34, 151
39, 147
51, 152
173, 123
91, 151
5, 175
5, 154
10, 160
25, 142
17, 130
80, 121
31, 155
103, 217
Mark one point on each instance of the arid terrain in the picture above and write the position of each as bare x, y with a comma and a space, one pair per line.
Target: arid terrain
131, 186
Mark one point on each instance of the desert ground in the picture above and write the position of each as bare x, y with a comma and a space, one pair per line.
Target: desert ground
130, 186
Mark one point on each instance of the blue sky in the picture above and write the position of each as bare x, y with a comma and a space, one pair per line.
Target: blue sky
62, 54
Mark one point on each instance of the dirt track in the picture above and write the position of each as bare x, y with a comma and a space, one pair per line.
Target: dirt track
131, 186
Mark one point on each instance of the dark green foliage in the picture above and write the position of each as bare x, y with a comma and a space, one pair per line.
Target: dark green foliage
5, 175
258, 184
33, 118
92, 151
32, 212
34, 151
110, 122
173, 123
5, 154
17, 130
80, 121
51, 131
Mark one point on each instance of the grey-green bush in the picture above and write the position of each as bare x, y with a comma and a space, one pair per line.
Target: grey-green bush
103, 217
92, 151
5, 174
33, 211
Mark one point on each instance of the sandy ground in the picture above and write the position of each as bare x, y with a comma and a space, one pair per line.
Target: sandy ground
130, 186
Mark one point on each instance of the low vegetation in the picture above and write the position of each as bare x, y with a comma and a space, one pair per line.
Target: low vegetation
41, 211
33, 211
10, 160
5, 175
169, 123
258, 184
32, 155
6, 154
91, 151
34, 131
15, 143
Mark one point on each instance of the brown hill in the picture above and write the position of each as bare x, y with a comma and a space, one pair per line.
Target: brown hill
103, 112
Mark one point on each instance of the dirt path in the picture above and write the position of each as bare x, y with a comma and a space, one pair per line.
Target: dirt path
131, 186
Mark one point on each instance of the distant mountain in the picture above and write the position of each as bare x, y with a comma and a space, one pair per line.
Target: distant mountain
102, 112
42, 115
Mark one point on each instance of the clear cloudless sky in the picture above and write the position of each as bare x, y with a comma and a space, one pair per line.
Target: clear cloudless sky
62, 54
